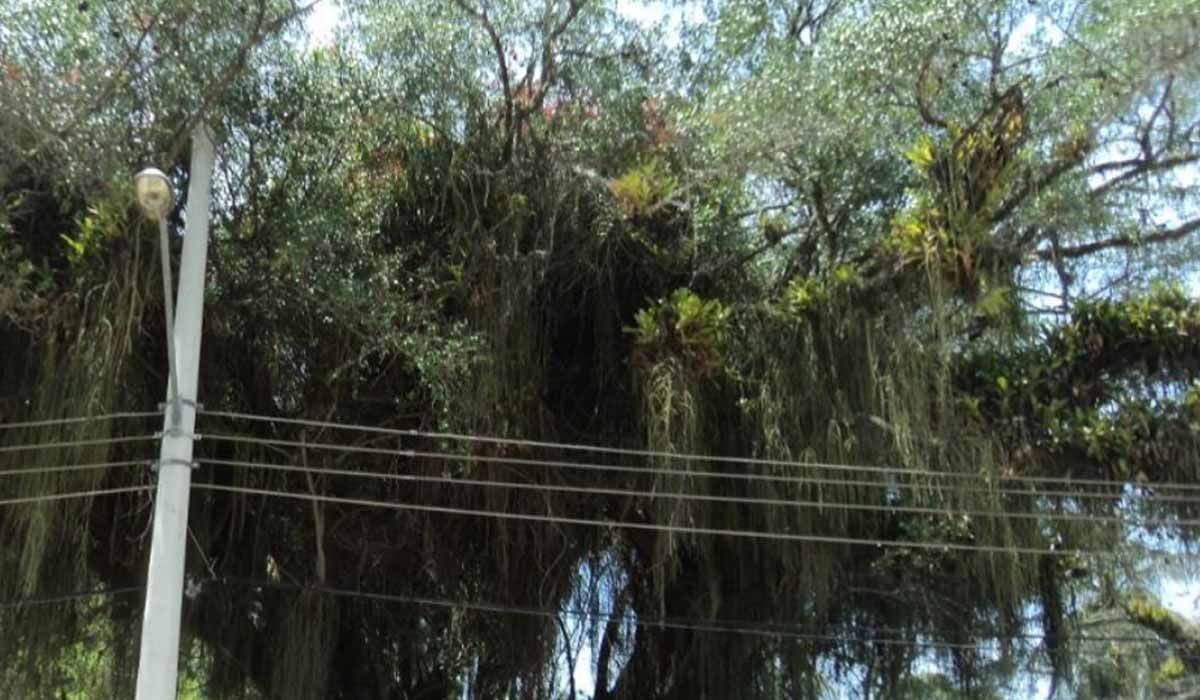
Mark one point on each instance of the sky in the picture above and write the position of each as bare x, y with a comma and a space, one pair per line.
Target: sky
321, 23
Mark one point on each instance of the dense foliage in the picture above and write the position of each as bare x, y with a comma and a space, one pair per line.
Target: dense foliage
954, 238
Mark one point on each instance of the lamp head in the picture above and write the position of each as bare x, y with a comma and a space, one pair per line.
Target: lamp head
154, 193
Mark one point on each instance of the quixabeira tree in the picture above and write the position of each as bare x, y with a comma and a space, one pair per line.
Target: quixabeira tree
928, 265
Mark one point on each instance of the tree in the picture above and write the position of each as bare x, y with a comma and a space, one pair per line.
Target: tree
944, 237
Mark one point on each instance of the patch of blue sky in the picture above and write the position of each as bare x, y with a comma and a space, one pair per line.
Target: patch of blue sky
321, 24
668, 20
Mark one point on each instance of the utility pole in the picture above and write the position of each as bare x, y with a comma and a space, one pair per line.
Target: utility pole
158, 666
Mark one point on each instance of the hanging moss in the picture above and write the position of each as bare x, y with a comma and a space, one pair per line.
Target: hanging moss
85, 349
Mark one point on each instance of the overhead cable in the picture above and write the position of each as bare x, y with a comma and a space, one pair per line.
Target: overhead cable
73, 494
657, 527
675, 473
25, 471
744, 627
69, 597
738, 500
772, 629
76, 443
80, 419
460, 437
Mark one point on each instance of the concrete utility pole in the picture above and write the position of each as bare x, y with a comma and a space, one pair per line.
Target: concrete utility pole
158, 667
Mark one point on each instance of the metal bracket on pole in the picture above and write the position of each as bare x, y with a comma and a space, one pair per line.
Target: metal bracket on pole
196, 405
177, 433
156, 463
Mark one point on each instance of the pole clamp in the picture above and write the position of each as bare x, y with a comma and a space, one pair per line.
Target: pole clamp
162, 406
154, 464
176, 432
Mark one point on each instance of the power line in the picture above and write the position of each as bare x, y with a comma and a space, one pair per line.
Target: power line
679, 455
746, 627
77, 443
71, 468
743, 627
69, 597
667, 495
580, 614
80, 419
759, 628
795, 480
568, 520
73, 494
644, 471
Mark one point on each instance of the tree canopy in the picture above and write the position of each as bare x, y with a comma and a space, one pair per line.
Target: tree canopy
927, 266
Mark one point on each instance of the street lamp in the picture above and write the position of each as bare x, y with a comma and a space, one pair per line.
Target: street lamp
154, 193
156, 200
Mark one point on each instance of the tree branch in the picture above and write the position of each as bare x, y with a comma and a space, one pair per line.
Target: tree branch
1174, 234
1140, 166
822, 211
261, 31
757, 211
106, 94
317, 513
1032, 185
1148, 128
923, 108
502, 65
549, 70
112, 85
611, 630
1166, 625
